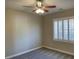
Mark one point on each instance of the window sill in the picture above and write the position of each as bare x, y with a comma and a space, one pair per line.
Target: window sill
65, 41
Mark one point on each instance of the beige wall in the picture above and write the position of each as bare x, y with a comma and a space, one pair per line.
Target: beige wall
48, 32
23, 32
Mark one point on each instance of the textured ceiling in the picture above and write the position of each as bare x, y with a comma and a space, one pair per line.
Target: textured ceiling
60, 5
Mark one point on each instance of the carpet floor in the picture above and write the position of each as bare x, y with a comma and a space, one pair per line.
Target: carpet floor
44, 53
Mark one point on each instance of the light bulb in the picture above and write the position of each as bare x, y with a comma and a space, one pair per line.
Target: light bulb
39, 11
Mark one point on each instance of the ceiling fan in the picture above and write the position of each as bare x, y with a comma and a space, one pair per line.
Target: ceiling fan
40, 7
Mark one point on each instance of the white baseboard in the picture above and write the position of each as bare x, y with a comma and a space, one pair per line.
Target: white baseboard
69, 53
8, 57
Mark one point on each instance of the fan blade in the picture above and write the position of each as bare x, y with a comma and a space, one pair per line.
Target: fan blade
40, 0
33, 10
45, 10
53, 6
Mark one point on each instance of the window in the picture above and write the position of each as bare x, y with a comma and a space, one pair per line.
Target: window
60, 30
64, 29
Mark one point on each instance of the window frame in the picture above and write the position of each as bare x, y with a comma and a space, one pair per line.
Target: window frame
59, 40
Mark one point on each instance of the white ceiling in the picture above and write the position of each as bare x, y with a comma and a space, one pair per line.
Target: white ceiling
60, 4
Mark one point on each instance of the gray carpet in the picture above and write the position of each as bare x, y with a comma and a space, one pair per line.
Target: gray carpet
44, 53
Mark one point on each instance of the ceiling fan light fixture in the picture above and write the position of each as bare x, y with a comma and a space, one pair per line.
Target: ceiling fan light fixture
39, 4
39, 11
